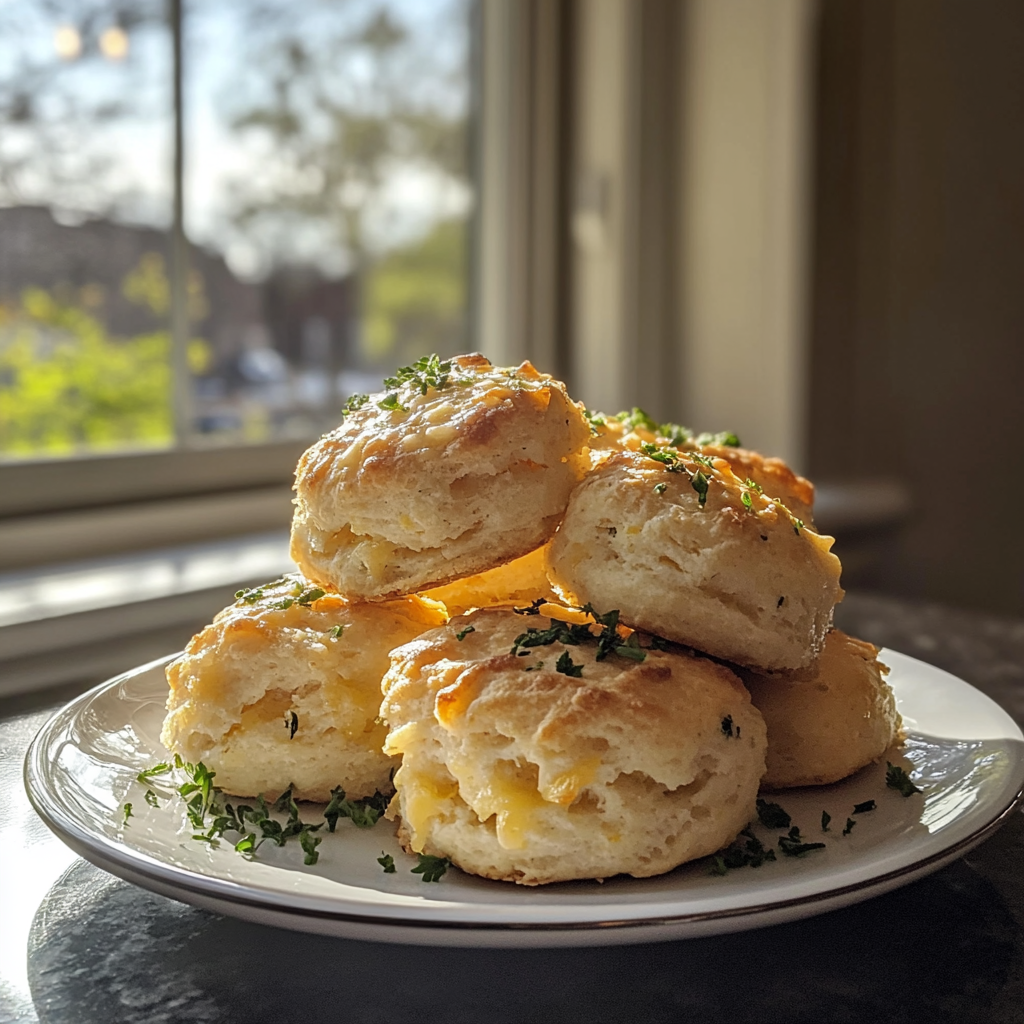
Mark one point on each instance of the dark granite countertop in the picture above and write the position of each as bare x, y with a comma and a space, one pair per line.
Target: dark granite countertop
78, 945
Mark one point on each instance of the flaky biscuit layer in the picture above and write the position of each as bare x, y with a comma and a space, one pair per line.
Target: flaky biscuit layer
426, 485
288, 649
687, 550
555, 765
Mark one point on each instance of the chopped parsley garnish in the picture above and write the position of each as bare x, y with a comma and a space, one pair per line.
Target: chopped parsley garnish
534, 668
863, 808
792, 844
390, 403
673, 462
309, 595
203, 802
354, 402
335, 631
427, 372
291, 721
676, 435
724, 439
595, 419
849, 826
660, 488
748, 501
896, 778
431, 868
727, 725
309, 844
566, 666
825, 819
463, 633
745, 851
630, 649
363, 813
151, 773
387, 862
247, 844
772, 815
636, 417
127, 814
533, 608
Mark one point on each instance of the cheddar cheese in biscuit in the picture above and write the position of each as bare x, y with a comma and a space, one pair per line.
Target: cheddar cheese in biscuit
559, 754
827, 721
518, 582
687, 550
284, 687
460, 467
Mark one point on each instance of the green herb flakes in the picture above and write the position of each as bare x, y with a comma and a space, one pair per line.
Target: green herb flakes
849, 826
127, 814
335, 632
291, 721
863, 808
309, 844
430, 868
793, 845
390, 403
533, 608
463, 633
566, 666
387, 862
151, 798
354, 403
896, 778
660, 488
825, 819
772, 815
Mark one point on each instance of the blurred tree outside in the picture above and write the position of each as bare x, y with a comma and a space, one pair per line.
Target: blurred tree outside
352, 118
67, 385
353, 102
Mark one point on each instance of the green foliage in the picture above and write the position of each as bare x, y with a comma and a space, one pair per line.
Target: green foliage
414, 298
66, 385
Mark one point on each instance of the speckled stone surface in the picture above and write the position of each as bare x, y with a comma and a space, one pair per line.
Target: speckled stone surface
87, 947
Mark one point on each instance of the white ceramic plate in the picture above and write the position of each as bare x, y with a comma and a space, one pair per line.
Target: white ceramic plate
964, 751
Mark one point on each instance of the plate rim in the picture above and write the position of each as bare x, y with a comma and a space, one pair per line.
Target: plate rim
142, 867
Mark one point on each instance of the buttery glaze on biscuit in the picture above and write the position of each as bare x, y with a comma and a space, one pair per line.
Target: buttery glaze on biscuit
732, 573
284, 687
827, 721
427, 484
521, 771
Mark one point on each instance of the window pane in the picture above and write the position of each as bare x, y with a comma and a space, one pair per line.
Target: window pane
326, 183
85, 190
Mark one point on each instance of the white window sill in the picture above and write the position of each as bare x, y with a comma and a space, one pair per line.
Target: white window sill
62, 623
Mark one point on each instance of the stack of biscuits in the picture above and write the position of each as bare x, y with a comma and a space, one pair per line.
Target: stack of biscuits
596, 637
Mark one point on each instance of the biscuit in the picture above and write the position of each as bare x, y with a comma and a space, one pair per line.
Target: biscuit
829, 720
687, 550
460, 467
519, 582
630, 430
548, 764
284, 687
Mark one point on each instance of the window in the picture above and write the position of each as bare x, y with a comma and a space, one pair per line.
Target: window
218, 222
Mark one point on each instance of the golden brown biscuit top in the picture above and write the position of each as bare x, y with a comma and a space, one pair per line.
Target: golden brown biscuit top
703, 484
458, 404
292, 603
554, 674
631, 430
